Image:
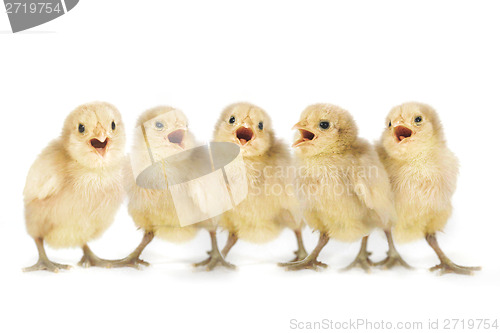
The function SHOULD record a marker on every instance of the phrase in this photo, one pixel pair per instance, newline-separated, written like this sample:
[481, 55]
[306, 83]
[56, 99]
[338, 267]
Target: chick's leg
[363, 258]
[133, 260]
[446, 265]
[311, 261]
[214, 256]
[393, 256]
[231, 240]
[44, 264]
[301, 252]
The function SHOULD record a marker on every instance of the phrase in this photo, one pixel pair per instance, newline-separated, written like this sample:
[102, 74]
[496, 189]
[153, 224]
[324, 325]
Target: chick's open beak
[244, 135]
[305, 136]
[402, 132]
[177, 137]
[100, 145]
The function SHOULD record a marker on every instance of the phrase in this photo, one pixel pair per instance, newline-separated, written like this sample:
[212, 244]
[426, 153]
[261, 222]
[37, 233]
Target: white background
[365, 56]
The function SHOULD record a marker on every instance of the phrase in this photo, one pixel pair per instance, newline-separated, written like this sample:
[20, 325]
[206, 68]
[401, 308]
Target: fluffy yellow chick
[423, 174]
[74, 187]
[271, 204]
[152, 209]
[342, 183]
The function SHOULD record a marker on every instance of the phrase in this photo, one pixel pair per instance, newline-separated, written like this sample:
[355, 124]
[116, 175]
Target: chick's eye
[232, 120]
[113, 126]
[390, 123]
[159, 125]
[324, 124]
[261, 125]
[418, 119]
[81, 128]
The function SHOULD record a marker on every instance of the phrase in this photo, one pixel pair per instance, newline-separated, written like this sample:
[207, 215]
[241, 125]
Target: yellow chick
[74, 187]
[271, 203]
[162, 132]
[342, 184]
[423, 174]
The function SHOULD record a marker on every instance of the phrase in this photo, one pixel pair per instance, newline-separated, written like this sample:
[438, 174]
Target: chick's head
[164, 131]
[411, 128]
[94, 135]
[324, 128]
[246, 125]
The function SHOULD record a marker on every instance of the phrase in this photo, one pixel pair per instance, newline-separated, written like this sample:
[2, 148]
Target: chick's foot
[89, 259]
[215, 258]
[446, 265]
[449, 267]
[363, 258]
[133, 262]
[392, 260]
[311, 261]
[393, 257]
[46, 265]
[308, 263]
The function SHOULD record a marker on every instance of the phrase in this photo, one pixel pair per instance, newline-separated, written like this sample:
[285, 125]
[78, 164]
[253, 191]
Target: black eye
[390, 123]
[232, 120]
[418, 119]
[113, 126]
[159, 125]
[81, 128]
[261, 125]
[324, 124]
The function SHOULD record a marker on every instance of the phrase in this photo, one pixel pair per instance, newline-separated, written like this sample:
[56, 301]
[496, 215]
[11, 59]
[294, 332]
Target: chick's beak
[100, 144]
[244, 135]
[177, 137]
[305, 135]
[402, 132]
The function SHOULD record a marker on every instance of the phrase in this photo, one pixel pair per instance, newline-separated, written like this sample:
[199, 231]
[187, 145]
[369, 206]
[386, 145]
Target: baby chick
[423, 174]
[342, 184]
[162, 132]
[74, 188]
[271, 203]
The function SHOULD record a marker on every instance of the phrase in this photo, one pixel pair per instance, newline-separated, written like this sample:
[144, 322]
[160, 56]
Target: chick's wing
[45, 177]
[373, 188]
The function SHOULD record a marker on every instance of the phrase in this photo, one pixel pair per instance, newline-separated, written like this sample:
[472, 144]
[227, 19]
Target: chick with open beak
[74, 188]
[162, 132]
[423, 174]
[271, 204]
[343, 186]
